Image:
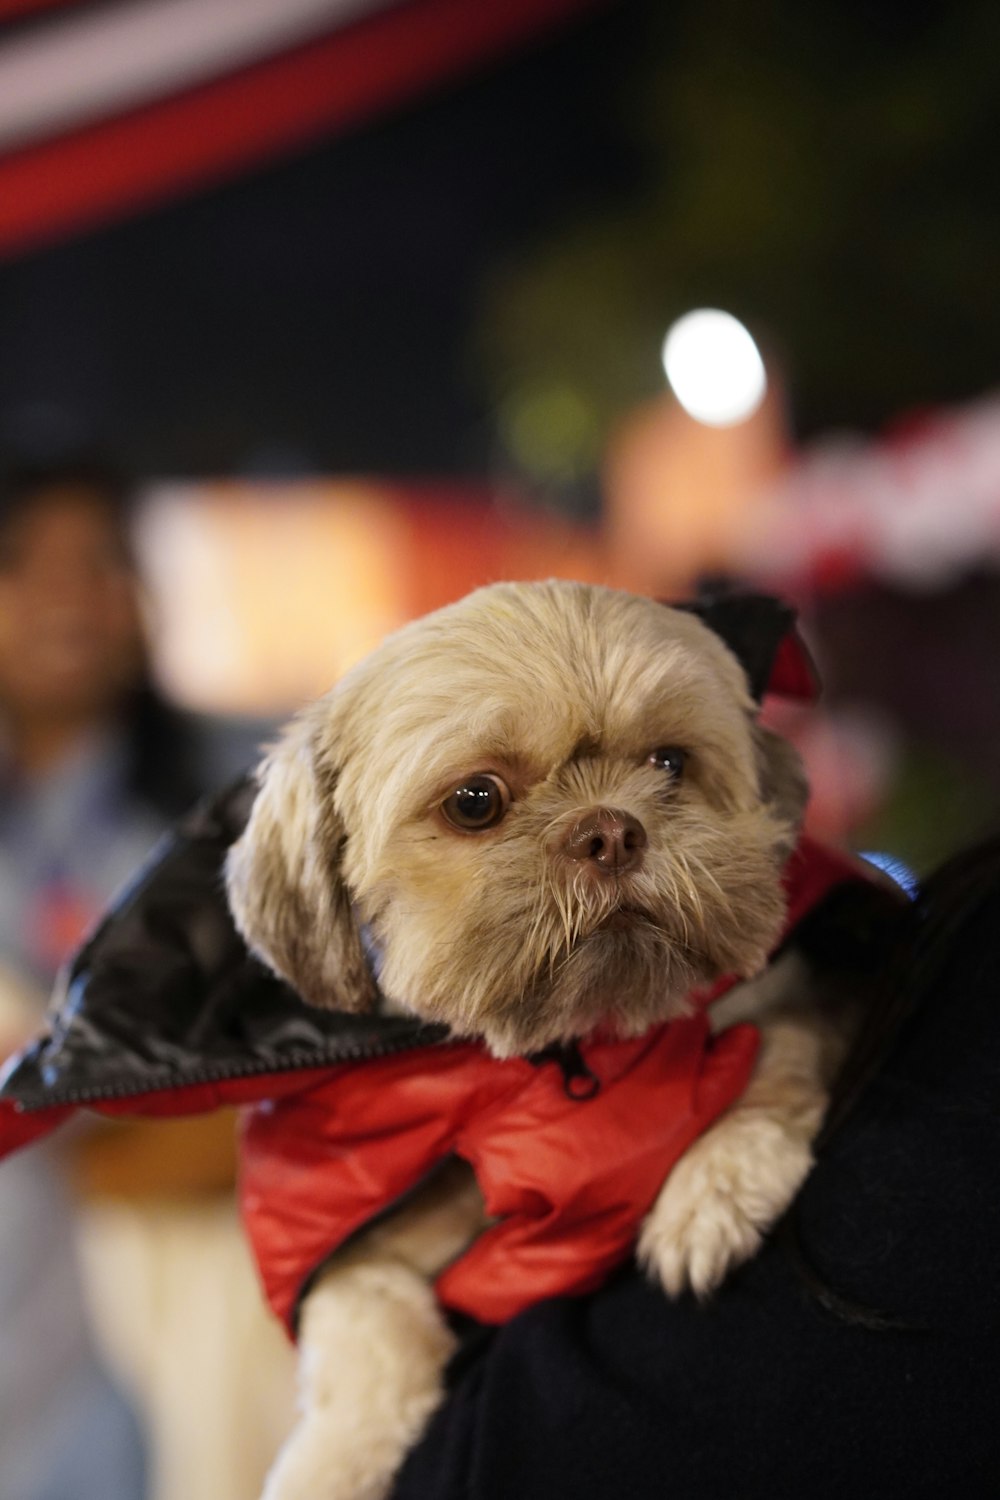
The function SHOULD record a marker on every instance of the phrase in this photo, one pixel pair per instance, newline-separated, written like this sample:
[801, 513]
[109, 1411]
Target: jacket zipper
[579, 1080]
[222, 1073]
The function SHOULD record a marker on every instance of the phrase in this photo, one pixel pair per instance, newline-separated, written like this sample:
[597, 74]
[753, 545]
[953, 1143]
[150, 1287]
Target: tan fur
[563, 691]
[373, 1352]
[737, 1179]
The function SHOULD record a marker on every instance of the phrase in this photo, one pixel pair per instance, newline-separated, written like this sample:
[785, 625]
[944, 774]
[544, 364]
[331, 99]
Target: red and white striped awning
[106, 108]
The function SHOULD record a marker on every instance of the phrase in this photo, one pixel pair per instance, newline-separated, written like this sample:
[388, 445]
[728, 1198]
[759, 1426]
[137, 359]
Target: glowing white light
[714, 367]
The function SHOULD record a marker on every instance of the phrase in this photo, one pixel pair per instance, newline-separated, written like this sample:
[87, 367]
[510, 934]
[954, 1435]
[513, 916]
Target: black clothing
[764, 1394]
[165, 995]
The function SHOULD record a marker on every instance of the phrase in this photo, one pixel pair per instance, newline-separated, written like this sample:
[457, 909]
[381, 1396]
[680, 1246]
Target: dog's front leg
[374, 1346]
[737, 1179]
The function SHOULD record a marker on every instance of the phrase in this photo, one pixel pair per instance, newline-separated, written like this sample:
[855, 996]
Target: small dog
[546, 809]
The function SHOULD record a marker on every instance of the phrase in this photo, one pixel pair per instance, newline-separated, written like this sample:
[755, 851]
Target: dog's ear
[760, 631]
[784, 789]
[284, 883]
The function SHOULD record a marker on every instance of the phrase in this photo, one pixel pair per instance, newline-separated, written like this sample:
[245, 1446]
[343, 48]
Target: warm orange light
[675, 488]
[264, 594]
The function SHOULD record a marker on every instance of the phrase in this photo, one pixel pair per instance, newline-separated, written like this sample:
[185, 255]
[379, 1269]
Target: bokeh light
[714, 367]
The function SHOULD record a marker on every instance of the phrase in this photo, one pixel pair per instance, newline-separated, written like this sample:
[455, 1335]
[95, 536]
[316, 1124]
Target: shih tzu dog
[545, 812]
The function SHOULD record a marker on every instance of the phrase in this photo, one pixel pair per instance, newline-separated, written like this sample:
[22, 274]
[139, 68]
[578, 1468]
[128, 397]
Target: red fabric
[206, 134]
[813, 870]
[20, 1127]
[326, 1149]
[16, 9]
[571, 1179]
[17, 1128]
[793, 674]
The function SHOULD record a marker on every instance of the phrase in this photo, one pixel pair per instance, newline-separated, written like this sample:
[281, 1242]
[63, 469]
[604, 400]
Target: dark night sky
[320, 307]
[319, 314]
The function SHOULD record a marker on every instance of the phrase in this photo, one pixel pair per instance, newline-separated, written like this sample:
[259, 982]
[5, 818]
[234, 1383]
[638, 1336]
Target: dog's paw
[315, 1464]
[721, 1199]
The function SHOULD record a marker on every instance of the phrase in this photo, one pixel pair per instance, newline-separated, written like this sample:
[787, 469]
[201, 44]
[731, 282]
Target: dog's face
[549, 804]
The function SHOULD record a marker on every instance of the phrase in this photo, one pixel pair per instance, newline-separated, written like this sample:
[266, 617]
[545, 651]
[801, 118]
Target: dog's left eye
[479, 802]
[668, 758]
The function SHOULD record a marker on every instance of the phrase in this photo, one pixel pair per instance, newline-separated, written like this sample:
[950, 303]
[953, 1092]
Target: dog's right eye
[478, 802]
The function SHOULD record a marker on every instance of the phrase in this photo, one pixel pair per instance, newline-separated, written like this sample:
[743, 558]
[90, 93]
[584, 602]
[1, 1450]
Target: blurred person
[94, 765]
[70, 829]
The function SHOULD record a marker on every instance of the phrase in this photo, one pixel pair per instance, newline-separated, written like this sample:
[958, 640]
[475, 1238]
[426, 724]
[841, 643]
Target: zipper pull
[579, 1082]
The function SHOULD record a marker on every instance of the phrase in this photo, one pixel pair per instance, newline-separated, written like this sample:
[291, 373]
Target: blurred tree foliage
[827, 171]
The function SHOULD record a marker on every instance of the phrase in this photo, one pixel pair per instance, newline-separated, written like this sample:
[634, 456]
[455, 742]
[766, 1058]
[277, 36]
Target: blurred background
[315, 315]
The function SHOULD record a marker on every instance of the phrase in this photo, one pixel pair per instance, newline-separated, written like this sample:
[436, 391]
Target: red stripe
[208, 133]
[19, 1128]
[13, 9]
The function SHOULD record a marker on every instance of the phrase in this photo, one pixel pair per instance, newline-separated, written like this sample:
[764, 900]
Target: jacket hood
[165, 994]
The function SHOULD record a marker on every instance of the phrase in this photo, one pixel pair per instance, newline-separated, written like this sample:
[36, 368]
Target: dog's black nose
[610, 839]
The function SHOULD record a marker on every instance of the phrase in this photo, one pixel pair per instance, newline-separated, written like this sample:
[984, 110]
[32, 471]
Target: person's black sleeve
[765, 1394]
